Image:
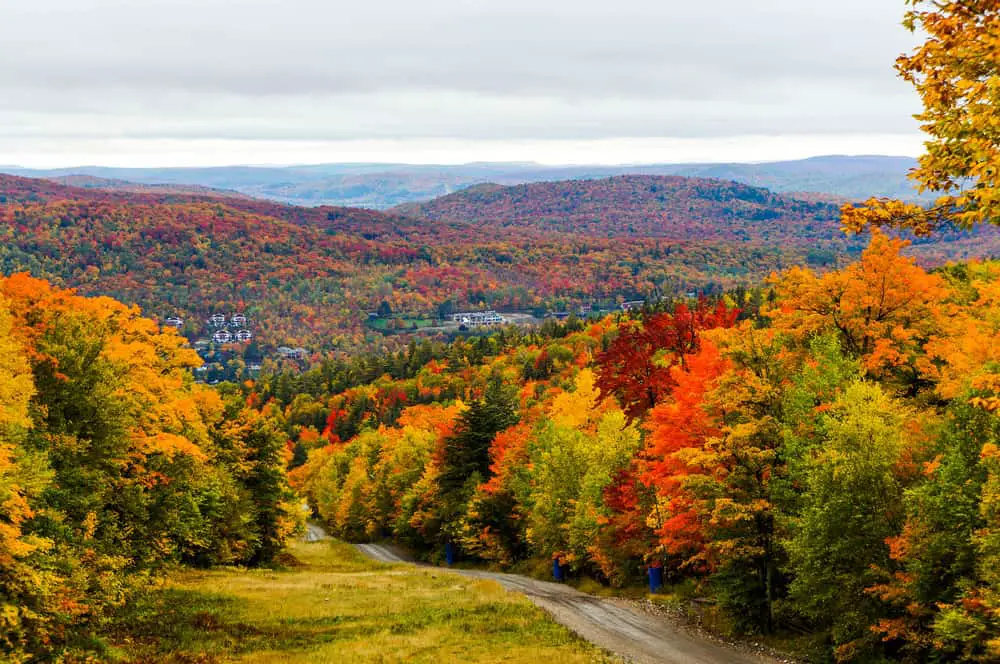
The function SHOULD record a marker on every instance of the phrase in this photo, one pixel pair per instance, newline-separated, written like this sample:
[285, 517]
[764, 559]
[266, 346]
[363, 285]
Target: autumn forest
[787, 405]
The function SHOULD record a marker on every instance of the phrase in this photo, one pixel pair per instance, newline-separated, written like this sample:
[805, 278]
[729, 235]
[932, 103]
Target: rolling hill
[680, 209]
[187, 255]
[672, 207]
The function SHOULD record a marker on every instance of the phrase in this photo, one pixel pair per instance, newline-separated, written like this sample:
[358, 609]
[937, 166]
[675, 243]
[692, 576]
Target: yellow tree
[956, 72]
[969, 356]
[23, 589]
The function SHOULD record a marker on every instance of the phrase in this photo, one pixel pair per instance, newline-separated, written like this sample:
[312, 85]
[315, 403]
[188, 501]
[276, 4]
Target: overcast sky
[196, 82]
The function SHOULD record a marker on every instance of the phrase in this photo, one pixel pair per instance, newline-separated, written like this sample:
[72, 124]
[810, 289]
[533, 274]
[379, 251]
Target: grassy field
[333, 605]
[382, 324]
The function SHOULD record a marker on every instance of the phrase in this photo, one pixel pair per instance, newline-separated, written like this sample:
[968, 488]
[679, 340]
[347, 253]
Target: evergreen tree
[466, 453]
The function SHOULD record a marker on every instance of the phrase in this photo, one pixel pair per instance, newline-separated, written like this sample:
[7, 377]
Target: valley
[315, 278]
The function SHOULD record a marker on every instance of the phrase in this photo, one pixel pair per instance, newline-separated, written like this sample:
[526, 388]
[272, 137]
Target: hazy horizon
[64, 166]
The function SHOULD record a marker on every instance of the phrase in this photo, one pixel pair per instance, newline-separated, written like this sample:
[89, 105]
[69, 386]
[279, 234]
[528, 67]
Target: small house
[292, 353]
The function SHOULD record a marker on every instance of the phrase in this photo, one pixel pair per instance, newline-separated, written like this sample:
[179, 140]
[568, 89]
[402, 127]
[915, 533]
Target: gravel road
[384, 553]
[617, 626]
[314, 533]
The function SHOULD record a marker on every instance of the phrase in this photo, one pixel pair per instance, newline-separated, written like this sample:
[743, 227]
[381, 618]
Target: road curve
[383, 553]
[314, 533]
[614, 625]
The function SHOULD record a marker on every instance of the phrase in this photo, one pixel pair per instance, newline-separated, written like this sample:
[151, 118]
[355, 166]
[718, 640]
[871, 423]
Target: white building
[222, 337]
[243, 335]
[238, 320]
[217, 320]
[292, 353]
[174, 321]
[478, 318]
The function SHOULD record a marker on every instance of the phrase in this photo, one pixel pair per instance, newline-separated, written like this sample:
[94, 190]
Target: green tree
[936, 550]
[261, 437]
[968, 629]
[853, 504]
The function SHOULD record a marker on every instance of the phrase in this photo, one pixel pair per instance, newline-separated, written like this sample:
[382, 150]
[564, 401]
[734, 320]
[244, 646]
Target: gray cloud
[315, 70]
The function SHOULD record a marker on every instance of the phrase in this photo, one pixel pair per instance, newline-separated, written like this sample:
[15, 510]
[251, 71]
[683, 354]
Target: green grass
[382, 324]
[336, 606]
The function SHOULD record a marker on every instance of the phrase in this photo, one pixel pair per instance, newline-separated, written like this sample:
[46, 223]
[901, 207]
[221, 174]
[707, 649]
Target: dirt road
[614, 625]
[383, 553]
[314, 533]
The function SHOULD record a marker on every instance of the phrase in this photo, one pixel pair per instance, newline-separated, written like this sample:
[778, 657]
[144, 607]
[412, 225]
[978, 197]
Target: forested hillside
[826, 466]
[639, 205]
[310, 276]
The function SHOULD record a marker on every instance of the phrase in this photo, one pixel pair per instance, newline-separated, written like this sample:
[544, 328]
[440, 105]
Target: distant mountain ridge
[381, 186]
[111, 184]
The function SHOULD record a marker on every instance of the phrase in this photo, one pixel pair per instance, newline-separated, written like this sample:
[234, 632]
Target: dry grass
[336, 606]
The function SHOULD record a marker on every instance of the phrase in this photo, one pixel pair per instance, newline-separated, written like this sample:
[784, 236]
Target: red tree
[636, 366]
[681, 422]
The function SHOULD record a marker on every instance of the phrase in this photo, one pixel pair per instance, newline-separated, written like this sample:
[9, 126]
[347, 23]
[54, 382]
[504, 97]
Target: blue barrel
[558, 571]
[449, 553]
[655, 579]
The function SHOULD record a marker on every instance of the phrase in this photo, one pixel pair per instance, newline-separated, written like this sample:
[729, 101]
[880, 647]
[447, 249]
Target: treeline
[373, 389]
[113, 465]
[828, 467]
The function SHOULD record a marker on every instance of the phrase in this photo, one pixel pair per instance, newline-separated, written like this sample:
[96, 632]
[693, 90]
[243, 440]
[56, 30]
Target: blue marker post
[449, 553]
[558, 570]
[655, 578]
